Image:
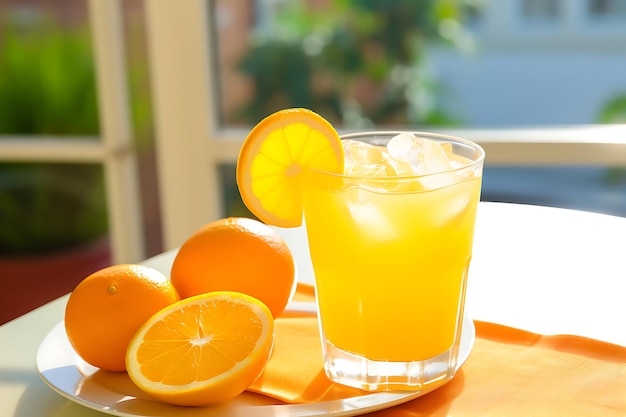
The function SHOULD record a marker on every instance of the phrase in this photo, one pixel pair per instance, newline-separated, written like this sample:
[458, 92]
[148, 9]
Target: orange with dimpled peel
[106, 308]
[236, 254]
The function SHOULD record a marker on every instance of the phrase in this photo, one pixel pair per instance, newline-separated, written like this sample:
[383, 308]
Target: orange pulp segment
[273, 157]
[203, 349]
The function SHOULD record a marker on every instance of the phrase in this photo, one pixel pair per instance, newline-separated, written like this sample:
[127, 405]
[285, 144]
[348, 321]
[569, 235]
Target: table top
[541, 269]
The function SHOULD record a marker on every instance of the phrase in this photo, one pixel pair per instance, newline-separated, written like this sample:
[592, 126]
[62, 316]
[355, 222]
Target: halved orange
[273, 157]
[203, 349]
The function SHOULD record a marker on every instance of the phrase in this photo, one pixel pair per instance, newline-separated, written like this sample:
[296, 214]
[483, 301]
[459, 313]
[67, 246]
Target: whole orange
[106, 309]
[236, 254]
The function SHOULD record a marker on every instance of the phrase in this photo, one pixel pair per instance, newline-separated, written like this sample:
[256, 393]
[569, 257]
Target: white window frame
[113, 149]
[191, 144]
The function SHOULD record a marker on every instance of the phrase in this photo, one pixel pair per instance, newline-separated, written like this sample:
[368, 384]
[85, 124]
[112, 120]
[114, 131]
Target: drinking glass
[391, 256]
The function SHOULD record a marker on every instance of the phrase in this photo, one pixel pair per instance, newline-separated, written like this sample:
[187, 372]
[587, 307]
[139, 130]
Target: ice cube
[400, 168]
[405, 155]
[366, 160]
[433, 158]
[362, 153]
[430, 159]
[370, 216]
[401, 147]
[456, 160]
[453, 205]
[425, 156]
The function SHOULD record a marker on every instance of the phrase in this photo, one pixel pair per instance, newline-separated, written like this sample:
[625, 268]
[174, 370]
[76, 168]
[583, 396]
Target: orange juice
[393, 265]
[391, 256]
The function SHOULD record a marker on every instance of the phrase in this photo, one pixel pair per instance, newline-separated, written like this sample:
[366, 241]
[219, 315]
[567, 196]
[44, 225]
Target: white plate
[113, 392]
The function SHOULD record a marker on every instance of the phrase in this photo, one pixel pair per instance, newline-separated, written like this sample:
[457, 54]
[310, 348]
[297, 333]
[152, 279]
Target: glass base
[356, 371]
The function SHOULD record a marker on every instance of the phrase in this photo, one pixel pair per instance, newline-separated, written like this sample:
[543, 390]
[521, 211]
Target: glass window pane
[426, 64]
[47, 79]
[591, 188]
[607, 8]
[540, 9]
[363, 63]
[50, 207]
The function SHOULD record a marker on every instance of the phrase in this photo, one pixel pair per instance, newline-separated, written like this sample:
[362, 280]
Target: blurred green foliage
[47, 83]
[357, 62]
[50, 207]
[614, 111]
[47, 87]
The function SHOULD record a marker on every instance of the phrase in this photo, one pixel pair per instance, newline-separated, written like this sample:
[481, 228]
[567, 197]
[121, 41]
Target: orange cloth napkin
[510, 372]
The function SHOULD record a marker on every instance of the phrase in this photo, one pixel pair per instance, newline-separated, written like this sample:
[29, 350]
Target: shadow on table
[434, 404]
[39, 400]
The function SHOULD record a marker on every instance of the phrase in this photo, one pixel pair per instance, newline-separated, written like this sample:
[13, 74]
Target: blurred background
[420, 64]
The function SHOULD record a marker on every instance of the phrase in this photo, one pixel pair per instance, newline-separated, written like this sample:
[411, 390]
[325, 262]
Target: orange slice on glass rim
[273, 157]
[203, 349]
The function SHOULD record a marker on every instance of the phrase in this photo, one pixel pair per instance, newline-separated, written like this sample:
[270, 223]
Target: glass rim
[390, 133]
